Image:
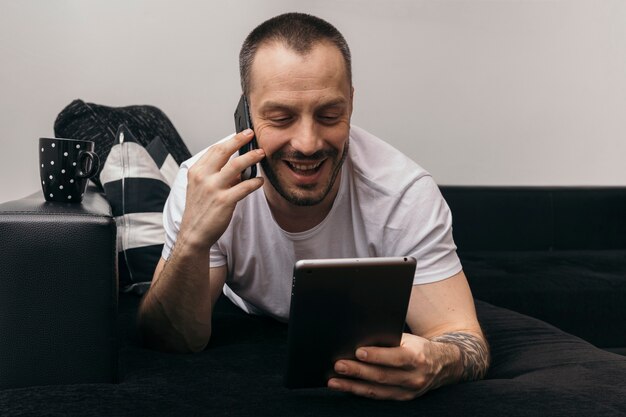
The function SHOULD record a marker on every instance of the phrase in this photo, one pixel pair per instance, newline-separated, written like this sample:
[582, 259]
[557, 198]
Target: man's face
[301, 107]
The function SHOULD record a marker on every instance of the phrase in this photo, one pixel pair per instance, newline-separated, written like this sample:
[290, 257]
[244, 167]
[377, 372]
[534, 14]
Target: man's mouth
[304, 168]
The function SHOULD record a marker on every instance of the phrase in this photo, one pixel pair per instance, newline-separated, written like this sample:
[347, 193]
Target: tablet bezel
[338, 305]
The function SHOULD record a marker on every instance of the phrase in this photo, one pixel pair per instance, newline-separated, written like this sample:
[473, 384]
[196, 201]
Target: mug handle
[95, 164]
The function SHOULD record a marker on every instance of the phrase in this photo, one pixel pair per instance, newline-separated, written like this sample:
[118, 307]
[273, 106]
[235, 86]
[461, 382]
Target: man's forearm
[471, 352]
[157, 329]
[176, 312]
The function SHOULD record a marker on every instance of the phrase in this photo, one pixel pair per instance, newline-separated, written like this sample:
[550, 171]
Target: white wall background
[488, 92]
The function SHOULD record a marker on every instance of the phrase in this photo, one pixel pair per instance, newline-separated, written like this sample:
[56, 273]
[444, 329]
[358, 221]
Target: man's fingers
[397, 357]
[241, 190]
[370, 390]
[218, 155]
[379, 374]
[234, 167]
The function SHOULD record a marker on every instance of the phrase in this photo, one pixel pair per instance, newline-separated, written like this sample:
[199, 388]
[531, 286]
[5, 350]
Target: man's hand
[401, 373]
[214, 187]
[176, 312]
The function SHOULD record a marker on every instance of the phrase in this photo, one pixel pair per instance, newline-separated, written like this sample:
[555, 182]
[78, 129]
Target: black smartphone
[243, 122]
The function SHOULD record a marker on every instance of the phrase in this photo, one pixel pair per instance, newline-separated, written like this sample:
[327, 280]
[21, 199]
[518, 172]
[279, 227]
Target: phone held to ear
[243, 122]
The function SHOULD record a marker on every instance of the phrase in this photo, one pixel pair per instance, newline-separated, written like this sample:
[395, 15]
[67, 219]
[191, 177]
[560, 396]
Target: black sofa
[554, 253]
[537, 369]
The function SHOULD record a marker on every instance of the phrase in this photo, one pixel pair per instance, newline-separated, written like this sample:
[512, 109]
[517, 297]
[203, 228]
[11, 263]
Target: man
[327, 189]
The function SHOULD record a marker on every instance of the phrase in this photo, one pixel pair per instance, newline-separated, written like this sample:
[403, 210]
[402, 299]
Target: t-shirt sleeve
[172, 217]
[173, 211]
[421, 226]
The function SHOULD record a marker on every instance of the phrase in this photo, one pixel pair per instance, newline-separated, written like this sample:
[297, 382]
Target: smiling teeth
[303, 167]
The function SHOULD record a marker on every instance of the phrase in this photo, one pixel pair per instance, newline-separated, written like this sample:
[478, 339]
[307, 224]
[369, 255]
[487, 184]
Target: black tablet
[338, 305]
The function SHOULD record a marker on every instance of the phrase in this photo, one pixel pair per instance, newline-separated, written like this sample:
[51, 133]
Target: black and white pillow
[99, 123]
[136, 183]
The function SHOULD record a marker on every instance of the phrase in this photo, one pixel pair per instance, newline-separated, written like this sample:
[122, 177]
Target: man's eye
[329, 117]
[279, 120]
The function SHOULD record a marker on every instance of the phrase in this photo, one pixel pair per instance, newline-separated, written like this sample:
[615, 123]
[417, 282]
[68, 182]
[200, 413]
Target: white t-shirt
[386, 205]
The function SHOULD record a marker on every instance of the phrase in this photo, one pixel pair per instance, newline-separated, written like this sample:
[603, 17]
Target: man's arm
[175, 313]
[447, 346]
[474, 353]
[444, 312]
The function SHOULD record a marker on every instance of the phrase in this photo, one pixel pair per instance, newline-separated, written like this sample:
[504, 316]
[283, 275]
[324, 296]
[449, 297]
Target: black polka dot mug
[65, 166]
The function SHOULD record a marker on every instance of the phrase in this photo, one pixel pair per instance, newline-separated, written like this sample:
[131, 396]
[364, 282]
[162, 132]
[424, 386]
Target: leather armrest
[94, 204]
[58, 291]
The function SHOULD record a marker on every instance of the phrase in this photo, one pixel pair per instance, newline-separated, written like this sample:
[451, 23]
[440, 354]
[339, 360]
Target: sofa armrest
[58, 292]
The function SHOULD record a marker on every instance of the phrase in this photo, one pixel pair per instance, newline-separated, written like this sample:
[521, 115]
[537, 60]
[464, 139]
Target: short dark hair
[298, 32]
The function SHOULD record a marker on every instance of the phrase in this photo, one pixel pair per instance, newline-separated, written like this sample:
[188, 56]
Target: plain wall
[477, 92]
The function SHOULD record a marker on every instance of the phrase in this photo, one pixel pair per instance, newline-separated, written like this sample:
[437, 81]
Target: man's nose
[307, 138]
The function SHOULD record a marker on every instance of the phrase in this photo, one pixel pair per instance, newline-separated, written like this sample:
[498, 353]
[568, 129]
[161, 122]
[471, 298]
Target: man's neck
[295, 219]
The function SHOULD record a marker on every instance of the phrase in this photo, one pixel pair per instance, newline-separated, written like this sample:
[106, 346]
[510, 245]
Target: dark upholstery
[537, 218]
[537, 371]
[52, 327]
[581, 292]
[58, 292]
[555, 253]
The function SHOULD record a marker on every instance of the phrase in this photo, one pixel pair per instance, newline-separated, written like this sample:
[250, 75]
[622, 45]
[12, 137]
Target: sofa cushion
[90, 121]
[537, 370]
[590, 218]
[581, 292]
[507, 218]
[137, 183]
[500, 218]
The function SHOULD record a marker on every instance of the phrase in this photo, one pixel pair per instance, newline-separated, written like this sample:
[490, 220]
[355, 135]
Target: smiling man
[327, 189]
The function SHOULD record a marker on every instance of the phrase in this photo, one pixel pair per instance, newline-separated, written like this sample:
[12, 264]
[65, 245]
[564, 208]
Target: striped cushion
[136, 183]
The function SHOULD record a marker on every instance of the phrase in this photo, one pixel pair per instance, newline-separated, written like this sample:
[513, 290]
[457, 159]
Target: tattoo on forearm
[474, 353]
